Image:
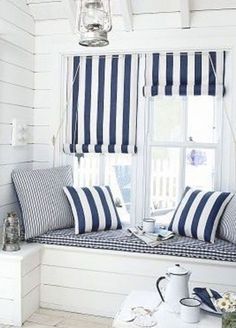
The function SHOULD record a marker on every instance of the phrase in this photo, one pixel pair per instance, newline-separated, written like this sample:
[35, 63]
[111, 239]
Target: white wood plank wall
[17, 67]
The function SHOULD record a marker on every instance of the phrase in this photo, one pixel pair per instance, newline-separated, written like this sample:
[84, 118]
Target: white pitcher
[176, 288]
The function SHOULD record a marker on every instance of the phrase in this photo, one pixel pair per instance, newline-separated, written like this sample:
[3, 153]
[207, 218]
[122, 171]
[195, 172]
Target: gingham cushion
[120, 240]
[198, 213]
[43, 203]
[227, 226]
[93, 209]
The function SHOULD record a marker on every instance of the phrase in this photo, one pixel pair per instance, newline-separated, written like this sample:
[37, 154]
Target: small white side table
[164, 318]
[19, 284]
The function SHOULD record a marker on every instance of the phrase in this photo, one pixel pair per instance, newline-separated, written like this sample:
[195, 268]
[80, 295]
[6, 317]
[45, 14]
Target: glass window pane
[201, 119]
[168, 119]
[88, 170]
[165, 168]
[118, 176]
[200, 168]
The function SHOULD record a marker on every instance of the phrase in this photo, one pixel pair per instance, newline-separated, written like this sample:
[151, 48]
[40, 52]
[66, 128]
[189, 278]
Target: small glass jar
[229, 320]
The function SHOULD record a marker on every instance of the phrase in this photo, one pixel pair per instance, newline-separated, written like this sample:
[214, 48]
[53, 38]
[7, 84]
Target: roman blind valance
[185, 73]
[103, 113]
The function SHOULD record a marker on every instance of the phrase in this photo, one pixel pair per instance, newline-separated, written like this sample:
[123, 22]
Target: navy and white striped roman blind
[185, 74]
[104, 104]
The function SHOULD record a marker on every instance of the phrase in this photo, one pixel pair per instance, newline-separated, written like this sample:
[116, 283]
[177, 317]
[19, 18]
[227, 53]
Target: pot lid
[177, 269]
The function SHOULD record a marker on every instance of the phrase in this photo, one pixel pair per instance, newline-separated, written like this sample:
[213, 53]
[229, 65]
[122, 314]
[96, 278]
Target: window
[114, 170]
[183, 148]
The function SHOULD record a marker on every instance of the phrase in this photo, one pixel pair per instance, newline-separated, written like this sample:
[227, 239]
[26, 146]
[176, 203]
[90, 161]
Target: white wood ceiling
[133, 9]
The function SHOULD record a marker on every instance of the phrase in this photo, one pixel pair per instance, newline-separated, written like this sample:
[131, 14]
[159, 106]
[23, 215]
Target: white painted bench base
[91, 281]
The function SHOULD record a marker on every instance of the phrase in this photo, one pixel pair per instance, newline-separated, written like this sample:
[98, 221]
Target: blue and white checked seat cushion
[198, 214]
[42, 200]
[93, 209]
[120, 240]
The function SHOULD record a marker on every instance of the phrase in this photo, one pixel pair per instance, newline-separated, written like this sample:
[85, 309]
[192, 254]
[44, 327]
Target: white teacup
[149, 225]
[190, 310]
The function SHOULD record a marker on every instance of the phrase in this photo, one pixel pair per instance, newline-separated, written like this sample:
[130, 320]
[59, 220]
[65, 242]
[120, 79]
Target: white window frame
[182, 145]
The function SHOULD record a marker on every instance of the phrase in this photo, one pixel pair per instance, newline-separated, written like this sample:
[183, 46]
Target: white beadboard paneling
[21, 4]
[42, 98]
[16, 36]
[36, 135]
[107, 282]
[122, 263]
[16, 95]
[14, 55]
[43, 63]
[212, 5]
[41, 116]
[17, 17]
[16, 75]
[82, 301]
[48, 10]
[7, 288]
[43, 81]
[8, 195]
[42, 153]
[40, 135]
[10, 112]
[49, 27]
[30, 303]
[14, 155]
[6, 170]
[215, 18]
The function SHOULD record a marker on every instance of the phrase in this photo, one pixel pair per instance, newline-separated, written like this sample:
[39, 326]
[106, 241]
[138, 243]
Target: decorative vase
[229, 320]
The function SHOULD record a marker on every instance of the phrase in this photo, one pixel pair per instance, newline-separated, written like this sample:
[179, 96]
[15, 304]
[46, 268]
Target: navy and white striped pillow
[93, 209]
[198, 214]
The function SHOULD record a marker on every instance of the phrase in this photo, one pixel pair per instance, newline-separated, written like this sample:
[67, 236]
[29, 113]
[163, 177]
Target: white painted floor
[45, 318]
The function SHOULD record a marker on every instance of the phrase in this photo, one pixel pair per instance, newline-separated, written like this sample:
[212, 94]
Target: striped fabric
[120, 240]
[198, 214]
[42, 200]
[104, 105]
[227, 226]
[185, 74]
[93, 209]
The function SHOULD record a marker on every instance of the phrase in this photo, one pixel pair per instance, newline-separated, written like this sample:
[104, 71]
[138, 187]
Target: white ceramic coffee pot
[176, 288]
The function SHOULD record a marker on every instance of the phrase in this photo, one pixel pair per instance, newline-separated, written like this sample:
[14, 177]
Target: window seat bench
[93, 273]
[120, 240]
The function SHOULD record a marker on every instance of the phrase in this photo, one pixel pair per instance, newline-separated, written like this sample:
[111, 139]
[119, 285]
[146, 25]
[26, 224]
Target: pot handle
[158, 287]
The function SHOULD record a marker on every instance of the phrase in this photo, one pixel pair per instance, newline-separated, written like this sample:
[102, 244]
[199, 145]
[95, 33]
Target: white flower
[223, 304]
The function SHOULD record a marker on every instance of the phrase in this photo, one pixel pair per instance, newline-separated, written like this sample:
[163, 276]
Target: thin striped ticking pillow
[198, 214]
[93, 209]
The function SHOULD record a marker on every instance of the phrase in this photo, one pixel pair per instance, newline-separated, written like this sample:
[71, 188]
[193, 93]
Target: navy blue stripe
[119, 226]
[213, 214]
[212, 78]
[185, 212]
[197, 73]
[169, 74]
[101, 89]
[172, 220]
[126, 100]
[93, 209]
[113, 104]
[74, 125]
[155, 70]
[183, 74]
[105, 208]
[79, 209]
[198, 213]
[87, 101]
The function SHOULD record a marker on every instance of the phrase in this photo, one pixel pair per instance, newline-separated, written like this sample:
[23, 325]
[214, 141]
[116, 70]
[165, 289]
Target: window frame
[183, 146]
